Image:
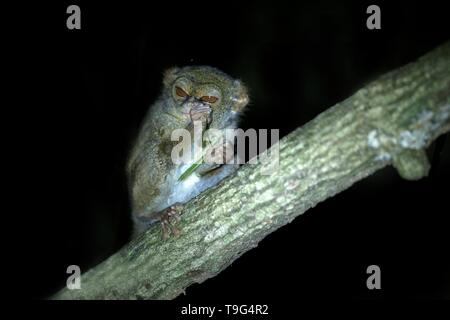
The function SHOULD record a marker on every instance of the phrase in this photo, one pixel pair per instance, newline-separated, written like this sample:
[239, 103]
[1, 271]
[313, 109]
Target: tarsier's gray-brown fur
[190, 93]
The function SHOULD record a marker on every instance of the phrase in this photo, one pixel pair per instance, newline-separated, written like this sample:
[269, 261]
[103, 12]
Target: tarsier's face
[205, 94]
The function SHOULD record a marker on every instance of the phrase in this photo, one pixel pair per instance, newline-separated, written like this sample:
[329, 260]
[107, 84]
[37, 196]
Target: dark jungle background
[92, 87]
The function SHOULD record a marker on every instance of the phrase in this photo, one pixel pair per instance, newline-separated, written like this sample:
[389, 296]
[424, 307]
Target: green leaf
[189, 171]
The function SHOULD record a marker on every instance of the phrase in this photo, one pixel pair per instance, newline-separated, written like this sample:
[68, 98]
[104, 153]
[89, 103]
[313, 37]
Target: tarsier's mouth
[197, 111]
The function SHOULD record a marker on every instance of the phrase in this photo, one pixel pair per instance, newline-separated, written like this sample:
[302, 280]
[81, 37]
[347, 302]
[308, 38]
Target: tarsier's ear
[170, 75]
[239, 96]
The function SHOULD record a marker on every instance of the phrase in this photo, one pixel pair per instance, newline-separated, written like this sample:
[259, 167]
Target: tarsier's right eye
[180, 92]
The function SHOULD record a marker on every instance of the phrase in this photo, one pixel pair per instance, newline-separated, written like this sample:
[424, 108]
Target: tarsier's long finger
[165, 230]
[200, 113]
[204, 119]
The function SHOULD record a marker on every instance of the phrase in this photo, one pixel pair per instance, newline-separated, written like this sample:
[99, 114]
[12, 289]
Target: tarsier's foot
[166, 216]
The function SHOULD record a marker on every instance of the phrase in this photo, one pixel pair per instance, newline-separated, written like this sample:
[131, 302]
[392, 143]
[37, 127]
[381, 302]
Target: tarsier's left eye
[209, 99]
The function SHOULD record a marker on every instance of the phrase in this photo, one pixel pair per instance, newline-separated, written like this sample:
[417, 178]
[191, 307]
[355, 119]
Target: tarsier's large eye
[180, 92]
[209, 99]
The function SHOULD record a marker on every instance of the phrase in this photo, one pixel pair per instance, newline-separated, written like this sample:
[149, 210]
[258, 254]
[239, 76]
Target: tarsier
[193, 93]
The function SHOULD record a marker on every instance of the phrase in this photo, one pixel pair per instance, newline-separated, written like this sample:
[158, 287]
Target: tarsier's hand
[201, 113]
[219, 154]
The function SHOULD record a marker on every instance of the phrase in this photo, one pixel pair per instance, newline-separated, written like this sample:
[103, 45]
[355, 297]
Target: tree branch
[390, 121]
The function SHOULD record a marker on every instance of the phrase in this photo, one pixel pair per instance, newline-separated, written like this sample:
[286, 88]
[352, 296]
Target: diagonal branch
[390, 121]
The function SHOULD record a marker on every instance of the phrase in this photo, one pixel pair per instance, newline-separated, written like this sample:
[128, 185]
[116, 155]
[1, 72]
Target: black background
[91, 87]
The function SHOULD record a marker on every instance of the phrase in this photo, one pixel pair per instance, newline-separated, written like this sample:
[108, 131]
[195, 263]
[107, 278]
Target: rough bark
[390, 121]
